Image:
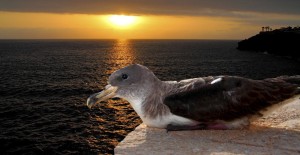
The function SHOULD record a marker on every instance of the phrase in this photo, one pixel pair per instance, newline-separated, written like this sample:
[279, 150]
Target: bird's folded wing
[228, 98]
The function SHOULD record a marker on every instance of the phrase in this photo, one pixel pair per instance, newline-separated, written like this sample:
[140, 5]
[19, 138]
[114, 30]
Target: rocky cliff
[283, 42]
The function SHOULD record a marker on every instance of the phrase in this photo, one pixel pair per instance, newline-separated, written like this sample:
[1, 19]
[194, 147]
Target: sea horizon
[116, 39]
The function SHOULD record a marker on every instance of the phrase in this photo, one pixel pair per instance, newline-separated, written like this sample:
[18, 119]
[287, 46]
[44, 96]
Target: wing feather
[229, 98]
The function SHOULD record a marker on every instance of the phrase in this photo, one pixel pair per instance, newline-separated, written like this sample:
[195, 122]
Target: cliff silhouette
[283, 42]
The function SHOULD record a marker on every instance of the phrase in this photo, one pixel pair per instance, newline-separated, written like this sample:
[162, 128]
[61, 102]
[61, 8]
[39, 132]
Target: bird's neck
[153, 104]
[148, 103]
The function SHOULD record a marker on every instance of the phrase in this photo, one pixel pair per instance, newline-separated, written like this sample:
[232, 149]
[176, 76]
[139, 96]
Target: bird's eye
[124, 76]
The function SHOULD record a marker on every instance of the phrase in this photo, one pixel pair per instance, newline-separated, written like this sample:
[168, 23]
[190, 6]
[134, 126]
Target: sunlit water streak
[44, 85]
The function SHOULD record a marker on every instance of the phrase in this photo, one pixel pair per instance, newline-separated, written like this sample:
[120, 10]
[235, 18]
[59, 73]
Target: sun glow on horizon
[122, 21]
[110, 26]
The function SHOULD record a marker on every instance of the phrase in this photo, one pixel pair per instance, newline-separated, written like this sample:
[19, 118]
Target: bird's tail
[293, 80]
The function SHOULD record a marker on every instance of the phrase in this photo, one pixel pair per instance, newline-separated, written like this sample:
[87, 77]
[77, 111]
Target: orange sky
[209, 25]
[45, 25]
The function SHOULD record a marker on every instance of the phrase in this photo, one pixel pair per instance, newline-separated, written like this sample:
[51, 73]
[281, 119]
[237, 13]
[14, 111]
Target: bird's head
[125, 83]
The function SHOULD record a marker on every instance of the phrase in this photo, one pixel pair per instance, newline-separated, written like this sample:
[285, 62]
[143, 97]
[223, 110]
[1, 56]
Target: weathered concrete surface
[278, 133]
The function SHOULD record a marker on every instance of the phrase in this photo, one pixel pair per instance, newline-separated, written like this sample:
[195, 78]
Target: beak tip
[109, 92]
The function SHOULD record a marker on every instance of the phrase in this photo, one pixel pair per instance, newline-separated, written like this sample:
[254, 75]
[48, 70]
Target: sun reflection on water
[121, 55]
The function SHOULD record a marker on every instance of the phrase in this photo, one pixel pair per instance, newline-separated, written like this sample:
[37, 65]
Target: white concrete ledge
[279, 133]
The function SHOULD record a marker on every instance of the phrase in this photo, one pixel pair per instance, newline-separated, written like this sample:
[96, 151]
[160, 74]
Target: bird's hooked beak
[107, 93]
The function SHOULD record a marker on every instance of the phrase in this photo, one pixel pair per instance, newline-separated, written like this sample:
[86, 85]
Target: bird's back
[230, 98]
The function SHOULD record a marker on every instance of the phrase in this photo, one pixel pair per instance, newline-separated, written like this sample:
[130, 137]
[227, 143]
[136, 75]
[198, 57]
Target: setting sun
[122, 20]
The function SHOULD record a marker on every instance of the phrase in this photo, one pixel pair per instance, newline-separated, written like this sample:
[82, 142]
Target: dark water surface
[44, 85]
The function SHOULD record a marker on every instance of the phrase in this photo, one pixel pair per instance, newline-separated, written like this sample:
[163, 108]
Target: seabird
[213, 102]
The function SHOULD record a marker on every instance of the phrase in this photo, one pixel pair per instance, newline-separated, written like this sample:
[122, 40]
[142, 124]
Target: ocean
[44, 85]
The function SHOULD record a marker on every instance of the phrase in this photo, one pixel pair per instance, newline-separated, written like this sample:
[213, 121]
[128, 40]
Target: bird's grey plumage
[229, 99]
[205, 102]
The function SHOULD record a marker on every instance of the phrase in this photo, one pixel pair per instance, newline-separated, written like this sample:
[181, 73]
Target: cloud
[163, 7]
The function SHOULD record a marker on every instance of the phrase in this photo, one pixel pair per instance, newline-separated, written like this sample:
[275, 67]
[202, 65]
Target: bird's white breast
[160, 121]
[163, 121]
